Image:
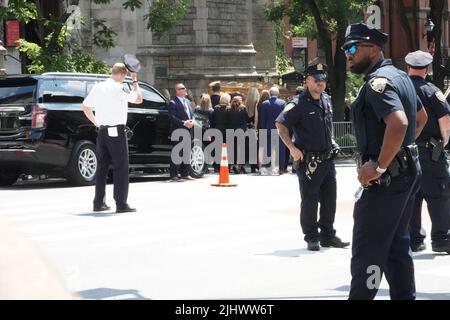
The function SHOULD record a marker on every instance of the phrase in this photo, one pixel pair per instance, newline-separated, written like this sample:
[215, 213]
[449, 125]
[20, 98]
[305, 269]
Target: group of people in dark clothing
[254, 110]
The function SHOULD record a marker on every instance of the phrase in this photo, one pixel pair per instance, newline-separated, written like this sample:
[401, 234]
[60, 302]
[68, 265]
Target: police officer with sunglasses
[384, 118]
[310, 117]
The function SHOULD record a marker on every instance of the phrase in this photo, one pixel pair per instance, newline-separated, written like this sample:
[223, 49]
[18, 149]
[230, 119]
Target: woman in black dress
[238, 119]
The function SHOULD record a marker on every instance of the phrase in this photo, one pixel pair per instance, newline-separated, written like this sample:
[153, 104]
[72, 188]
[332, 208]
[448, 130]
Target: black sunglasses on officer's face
[319, 80]
[316, 81]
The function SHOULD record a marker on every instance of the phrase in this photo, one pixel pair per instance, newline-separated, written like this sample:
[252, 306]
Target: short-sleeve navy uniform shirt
[387, 89]
[435, 104]
[310, 120]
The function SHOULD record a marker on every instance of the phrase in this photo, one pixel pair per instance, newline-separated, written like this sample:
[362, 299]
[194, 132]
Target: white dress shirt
[186, 103]
[109, 100]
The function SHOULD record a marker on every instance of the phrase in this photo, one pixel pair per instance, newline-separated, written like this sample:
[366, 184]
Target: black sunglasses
[320, 80]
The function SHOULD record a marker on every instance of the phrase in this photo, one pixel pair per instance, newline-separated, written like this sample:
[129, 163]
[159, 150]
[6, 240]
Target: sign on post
[299, 42]
[12, 33]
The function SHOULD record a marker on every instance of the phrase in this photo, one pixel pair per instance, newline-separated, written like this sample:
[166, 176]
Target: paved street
[212, 243]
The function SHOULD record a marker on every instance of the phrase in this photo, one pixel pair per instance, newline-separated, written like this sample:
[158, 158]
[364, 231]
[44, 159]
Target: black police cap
[317, 70]
[418, 59]
[359, 32]
[131, 62]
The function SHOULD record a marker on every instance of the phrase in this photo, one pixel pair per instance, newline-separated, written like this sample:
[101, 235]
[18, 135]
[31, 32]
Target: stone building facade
[227, 40]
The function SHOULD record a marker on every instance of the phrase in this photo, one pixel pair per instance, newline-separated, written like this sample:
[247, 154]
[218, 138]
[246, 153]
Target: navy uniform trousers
[112, 150]
[434, 188]
[320, 189]
[381, 240]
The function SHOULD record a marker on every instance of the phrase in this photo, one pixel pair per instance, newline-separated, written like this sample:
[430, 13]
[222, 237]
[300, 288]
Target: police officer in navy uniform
[309, 116]
[435, 181]
[384, 118]
[110, 100]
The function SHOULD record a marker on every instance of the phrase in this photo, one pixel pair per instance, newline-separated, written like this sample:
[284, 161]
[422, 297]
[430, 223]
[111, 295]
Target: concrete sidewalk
[24, 274]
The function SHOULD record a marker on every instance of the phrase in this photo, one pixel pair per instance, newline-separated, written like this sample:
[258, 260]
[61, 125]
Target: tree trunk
[405, 25]
[336, 64]
[338, 88]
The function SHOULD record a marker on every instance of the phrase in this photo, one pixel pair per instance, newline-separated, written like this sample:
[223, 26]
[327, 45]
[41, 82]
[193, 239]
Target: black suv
[44, 131]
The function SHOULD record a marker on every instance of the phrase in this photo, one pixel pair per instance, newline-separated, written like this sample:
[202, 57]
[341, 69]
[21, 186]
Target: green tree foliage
[283, 62]
[327, 21]
[164, 14]
[354, 83]
[55, 50]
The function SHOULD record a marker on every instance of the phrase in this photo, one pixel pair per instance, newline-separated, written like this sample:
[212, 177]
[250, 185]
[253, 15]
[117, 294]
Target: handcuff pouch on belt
[313, 159]
[128, 133]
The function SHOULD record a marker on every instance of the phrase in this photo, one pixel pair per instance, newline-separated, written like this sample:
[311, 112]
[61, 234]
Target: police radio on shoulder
[377, 168]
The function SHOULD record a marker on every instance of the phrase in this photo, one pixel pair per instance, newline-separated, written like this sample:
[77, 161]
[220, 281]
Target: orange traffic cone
[224, 177]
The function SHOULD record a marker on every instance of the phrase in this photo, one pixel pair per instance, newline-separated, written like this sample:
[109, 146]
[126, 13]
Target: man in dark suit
[270, 110]
[181, 117]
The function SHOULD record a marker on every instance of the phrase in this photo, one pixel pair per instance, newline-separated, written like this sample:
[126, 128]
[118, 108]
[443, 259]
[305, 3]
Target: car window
[151, 99]
[17, 91]
[62, 90]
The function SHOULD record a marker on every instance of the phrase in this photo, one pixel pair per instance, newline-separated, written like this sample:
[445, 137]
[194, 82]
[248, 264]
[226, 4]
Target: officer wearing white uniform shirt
[110, 101]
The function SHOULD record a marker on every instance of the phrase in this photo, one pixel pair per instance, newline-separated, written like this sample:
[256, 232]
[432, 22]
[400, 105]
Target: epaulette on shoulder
[289, 106]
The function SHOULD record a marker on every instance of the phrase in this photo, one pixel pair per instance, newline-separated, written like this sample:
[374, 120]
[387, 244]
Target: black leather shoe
[334, 242]
[419, 246]
[103, 207]
[127, 208]
[440, 247]
[313, 245]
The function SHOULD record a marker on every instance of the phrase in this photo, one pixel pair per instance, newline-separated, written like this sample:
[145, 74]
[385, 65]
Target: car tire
[82, 166]
[8, 176]
[197, 167]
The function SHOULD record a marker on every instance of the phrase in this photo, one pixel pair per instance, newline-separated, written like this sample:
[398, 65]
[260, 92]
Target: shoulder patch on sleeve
[440, 96]
[378, 84]
[289, 106]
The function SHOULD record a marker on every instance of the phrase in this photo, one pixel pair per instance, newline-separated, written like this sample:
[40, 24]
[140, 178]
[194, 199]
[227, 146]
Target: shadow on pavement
[426, 256]
[98, 214]
[111, 294]
[419, 295]
[294, 253]
[59, 183]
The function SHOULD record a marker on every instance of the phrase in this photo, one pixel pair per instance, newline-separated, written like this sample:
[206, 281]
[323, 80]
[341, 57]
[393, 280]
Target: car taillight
[39, 117]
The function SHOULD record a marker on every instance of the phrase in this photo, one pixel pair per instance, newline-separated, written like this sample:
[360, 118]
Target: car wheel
[8, 176]
[197, 166]
[83, 166]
